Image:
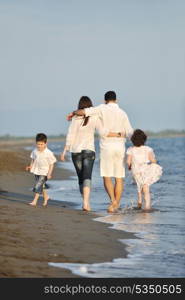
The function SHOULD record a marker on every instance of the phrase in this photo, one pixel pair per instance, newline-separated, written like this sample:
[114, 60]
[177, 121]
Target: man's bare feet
[112, 208]
[147, 210]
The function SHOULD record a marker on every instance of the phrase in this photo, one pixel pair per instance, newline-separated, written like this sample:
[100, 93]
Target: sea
[159, 249]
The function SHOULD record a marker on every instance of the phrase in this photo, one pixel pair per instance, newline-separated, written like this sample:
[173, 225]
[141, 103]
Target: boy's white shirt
[42, 160]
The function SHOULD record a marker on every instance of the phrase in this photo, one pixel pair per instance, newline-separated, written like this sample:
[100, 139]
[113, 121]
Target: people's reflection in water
[137, 222]
[139, 217]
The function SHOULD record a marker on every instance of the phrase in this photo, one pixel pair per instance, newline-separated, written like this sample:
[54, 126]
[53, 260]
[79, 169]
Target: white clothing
[42, 161]
[140, 156]
[81, 137]
[143, 172]
[112, 149]
[114, 119]
[112, 162]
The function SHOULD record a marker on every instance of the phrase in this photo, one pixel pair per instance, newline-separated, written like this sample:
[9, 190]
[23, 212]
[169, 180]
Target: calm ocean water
[160, 249]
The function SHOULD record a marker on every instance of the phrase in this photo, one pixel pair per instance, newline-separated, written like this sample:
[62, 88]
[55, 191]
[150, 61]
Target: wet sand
[31, 237]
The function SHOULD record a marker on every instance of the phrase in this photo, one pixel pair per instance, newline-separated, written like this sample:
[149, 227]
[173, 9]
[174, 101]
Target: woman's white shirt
[81, 137]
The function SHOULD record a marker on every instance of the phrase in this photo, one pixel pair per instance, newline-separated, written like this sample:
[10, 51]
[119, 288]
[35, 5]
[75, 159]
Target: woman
[80, 142]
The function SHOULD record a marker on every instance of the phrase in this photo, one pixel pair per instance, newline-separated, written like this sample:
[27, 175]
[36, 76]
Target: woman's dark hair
[138, 138]
[85, 102]
[41, 137]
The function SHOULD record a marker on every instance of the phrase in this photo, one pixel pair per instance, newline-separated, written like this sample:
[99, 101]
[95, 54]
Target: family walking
[113, 127]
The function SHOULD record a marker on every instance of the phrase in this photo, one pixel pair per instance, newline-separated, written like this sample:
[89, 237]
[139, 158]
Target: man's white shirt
[113, 119]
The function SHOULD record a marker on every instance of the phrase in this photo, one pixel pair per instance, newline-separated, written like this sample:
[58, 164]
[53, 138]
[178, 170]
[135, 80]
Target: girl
[141, 160]
[80, 142]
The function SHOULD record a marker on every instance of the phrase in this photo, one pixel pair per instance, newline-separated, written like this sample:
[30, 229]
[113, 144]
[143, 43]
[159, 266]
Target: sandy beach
[31, 237]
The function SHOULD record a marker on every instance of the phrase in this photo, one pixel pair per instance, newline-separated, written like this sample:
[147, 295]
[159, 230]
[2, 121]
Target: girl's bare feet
[139, 205]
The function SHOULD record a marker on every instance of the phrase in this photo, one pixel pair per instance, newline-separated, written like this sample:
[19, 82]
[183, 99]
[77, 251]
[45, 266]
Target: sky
[52, 52]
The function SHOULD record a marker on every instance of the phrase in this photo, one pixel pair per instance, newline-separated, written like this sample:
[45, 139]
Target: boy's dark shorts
[39, 184]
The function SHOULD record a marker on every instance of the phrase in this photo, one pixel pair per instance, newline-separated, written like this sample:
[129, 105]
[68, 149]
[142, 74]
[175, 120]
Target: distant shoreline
[9, 139]
[166, 136]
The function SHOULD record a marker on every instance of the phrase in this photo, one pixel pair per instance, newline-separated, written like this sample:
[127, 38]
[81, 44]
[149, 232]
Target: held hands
[28, 168]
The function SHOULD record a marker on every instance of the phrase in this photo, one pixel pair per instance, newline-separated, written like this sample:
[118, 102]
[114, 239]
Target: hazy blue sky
[54, 51]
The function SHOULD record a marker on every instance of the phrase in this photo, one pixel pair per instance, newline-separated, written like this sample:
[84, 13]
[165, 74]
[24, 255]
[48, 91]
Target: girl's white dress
[143, 171]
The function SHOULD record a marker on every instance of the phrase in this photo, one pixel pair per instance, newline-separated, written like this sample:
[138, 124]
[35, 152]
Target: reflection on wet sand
[137, 217]
[136, 221]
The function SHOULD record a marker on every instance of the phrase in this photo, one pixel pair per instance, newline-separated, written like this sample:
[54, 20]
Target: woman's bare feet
[86, 205]
[86, 208]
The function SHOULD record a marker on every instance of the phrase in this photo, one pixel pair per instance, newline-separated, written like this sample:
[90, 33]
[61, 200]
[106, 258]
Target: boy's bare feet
[45, 203]
[32, 204]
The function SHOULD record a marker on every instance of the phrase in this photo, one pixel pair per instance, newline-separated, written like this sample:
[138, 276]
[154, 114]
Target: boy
[41, 166]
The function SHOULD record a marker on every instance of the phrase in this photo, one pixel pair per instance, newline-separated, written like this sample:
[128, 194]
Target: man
[112, 149]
